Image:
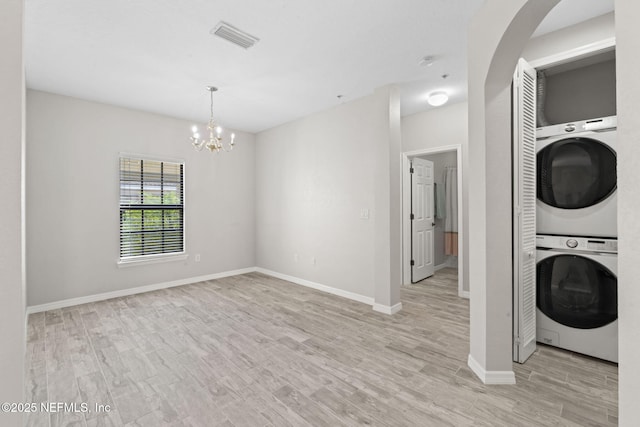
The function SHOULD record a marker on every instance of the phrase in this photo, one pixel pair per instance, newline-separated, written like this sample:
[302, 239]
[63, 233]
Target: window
[151, 208]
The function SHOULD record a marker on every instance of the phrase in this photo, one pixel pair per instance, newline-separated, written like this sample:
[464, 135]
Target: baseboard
[131, 291]
[148, 288]
[317, 286]
[452, 261]
[491, 377]
[387, 309]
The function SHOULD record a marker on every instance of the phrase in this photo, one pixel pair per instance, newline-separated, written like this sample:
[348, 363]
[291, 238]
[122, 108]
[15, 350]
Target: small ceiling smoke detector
[427, 61]
[437, 98]
[234, 35]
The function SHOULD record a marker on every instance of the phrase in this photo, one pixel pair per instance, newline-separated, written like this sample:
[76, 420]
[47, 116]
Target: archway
[497, 35]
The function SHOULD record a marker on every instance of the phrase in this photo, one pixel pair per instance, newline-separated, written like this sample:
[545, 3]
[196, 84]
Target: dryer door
[575, 173]
[577, 291]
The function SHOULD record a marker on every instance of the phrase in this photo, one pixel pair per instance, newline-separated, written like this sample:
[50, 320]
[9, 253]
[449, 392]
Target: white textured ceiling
[158, 55]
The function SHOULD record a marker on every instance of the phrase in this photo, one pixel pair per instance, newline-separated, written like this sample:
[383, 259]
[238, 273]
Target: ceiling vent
[234, 35]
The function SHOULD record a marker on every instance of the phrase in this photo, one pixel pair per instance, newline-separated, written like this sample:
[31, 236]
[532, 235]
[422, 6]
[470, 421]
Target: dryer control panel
[595, 125]
[577, 243]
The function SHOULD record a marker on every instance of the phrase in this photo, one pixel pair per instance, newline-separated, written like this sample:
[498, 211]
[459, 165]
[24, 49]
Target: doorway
[444, 156]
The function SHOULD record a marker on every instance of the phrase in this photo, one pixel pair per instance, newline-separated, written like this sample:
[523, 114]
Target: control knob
[572, 243]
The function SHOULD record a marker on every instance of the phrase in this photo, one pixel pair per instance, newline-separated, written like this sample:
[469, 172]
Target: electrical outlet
[197, 258]
[364, 213]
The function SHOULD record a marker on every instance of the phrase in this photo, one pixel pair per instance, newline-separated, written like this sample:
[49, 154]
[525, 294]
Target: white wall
[585, 33]
[628, 64]
[388, 200]
[447, 125]
[72, 198]
[314, 175]
[12, 302]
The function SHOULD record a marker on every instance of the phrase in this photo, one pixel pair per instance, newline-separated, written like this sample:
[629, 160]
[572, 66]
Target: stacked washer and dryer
[577, 289]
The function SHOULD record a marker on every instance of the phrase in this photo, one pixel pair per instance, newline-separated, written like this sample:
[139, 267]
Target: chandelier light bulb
[194, 129]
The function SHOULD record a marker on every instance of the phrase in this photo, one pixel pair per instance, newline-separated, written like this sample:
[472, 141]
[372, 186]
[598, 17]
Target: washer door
[575, 173]
[576, 291]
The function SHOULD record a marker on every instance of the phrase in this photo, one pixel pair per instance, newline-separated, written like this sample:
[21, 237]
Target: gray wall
[583, 93]
[576, 36]
[12, 303]
[435, 128]
[314, 176]
[72, 198]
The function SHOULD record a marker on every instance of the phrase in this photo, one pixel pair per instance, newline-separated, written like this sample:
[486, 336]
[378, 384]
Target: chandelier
[214, 142]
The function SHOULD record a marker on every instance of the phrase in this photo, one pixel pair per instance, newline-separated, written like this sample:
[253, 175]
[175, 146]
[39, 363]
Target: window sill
[134, 262]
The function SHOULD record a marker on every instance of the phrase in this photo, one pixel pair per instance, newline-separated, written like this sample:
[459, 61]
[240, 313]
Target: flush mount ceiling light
[214, 141]
[437, 98]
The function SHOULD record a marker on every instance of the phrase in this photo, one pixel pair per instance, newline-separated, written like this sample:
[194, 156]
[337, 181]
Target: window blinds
[151, 207]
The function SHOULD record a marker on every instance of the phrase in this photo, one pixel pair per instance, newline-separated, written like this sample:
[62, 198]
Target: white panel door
[422, 222]
[524, 212]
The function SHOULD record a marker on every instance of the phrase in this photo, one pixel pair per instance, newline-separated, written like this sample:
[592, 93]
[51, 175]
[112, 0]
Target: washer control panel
[578, 243]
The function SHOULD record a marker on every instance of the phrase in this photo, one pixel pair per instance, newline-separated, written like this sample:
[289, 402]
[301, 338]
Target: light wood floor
[253, 350]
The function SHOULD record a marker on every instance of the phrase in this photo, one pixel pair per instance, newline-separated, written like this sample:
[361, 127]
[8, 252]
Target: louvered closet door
[524, 215]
